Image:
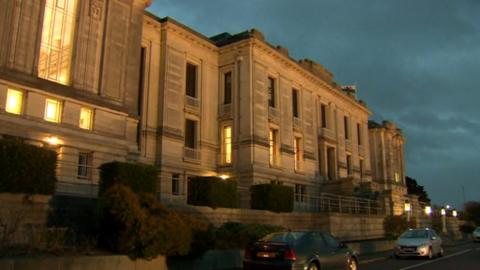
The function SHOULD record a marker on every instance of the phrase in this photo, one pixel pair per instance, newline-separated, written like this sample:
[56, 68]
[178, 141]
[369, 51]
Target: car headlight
[423, 248]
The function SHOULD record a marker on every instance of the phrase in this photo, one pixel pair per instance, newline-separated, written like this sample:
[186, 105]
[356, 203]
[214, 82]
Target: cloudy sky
[415, 62]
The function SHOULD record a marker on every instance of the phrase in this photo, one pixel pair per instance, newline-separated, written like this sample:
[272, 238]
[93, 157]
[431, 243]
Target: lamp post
[444, 220]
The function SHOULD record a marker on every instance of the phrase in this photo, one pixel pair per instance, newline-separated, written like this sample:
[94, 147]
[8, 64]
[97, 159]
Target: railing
[192, 102]
[297, 123]
[191, 154]
[332, 203]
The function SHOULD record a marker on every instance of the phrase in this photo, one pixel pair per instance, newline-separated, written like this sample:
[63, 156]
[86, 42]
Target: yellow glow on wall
[53, 110]
[14, 101]
[86, 118]
[227, 144]
[57, 37]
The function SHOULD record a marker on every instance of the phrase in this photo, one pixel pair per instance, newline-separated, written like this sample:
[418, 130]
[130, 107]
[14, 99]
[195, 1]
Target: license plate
[266, 254]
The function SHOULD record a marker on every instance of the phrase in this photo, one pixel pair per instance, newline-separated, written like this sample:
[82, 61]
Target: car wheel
[440, 254]
[313, 266]
[430, 254]
[352, 264]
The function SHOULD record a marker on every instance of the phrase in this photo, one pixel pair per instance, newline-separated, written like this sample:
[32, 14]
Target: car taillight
[247, 254]
[290, 255]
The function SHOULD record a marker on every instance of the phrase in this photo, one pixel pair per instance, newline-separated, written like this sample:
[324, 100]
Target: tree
[414, 188]
[471, 212]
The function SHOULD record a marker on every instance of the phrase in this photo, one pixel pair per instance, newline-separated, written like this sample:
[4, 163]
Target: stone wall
[343, 226]
[21, 215]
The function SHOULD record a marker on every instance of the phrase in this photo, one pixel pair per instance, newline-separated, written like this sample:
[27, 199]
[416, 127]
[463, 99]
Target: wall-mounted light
[408, 207]
[454, 213]
[53, 140]
[428, 210]
[224, 176]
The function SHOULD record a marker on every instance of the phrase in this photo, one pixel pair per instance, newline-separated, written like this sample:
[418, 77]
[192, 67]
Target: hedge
[273, 197]
[394, 226]
[141, 178]
[213, 192]
[234, 235]
[26, 168]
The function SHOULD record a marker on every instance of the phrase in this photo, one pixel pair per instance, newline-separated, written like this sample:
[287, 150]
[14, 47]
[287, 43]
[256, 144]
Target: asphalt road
[462, 257]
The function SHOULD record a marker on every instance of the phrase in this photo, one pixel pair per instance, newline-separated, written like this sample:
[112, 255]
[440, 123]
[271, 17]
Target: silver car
[419, 243]
[476, 234]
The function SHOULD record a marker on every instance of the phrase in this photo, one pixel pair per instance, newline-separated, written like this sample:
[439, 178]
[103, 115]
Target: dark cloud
[416, 63]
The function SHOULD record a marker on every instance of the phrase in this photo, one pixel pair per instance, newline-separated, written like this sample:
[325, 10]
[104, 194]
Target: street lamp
[428, 210]
[444, 220]
[454, 213]
[408, 209]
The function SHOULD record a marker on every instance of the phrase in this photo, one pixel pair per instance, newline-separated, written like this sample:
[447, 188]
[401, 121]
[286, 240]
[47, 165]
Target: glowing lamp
[428, 210]
[52, 140]
[224, 176]
[408, 207]
[443, 212]
[454, 213]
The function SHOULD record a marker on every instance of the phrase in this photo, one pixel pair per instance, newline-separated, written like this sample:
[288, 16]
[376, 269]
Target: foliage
[213, 192]
[233, 235]
[26, 168]
[273, 197]
[141, 178]
[471, 212]
[394, 226]
[414, 188]
[467, 228]
[140, 227]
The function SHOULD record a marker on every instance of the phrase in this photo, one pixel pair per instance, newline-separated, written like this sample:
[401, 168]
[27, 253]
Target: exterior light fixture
[454, 213]
[428, 210]
[443, 212]
[52, 140]
[408, 207]
[447, 206]
[224, 176]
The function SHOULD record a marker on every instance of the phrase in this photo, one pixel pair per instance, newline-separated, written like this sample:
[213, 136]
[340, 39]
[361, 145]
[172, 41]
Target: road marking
[437, 260]
[374, 260]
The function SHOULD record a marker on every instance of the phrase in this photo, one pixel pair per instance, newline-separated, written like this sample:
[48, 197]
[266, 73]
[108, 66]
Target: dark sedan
[310, 250]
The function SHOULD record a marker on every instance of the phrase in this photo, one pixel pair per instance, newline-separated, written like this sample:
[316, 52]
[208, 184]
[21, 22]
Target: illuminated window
[14, 101]
[227, 144]
[397, 177]
[86, 118]
[272, 141]
[57, 40]
[53, 110]
[298, 153]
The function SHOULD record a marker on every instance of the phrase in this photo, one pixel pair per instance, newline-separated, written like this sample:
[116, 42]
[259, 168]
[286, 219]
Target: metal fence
[333, 203]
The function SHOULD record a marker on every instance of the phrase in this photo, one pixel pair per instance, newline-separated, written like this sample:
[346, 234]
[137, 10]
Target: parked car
[419, 243]
[476, 234]
[312, 250]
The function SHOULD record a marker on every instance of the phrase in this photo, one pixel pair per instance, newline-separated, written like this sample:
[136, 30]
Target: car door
[436, 242]
[336, 252]
[321, 251]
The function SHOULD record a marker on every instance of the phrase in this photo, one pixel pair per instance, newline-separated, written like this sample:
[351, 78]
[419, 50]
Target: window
[191, 80]
[359, 134]
[84, 165]
[14, 101]
[53, 110]
[300, 193]
[272, 141]
[57, 40]
[346, 126]
[362, 169]
[323, 109]
[227, 88]
[397, 177]
[190, 134]
[298, 153]
[271, 92]
[175, 183]
[295, 103]
[349, 165]
[86, 116]
[331, 163]
[227, 144]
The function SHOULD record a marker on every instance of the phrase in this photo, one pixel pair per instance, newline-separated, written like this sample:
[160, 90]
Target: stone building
[104, 80]
[388, 163]
[69, 80]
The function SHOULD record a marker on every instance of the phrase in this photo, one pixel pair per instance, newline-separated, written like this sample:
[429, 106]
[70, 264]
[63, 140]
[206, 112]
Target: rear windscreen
[287, 237]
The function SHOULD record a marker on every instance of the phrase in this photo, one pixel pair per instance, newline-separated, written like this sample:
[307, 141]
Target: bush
[233, 235]
[213, 192]
[26, 168]
[273, 197]
[140, 227]
[467, 228]
[140, 178]
[394, 226]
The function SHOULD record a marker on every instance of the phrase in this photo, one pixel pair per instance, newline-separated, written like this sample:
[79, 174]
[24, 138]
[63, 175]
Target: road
[462, 257]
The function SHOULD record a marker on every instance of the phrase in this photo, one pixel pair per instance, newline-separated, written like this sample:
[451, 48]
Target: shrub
[273, 197]
[140, 178]
[26, 168]
[233, 235]
[213, 192]
[140, 227]
[467, 228]
[394, 226]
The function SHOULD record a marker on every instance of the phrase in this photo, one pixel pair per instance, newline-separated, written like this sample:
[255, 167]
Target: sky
[415, 62]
